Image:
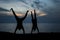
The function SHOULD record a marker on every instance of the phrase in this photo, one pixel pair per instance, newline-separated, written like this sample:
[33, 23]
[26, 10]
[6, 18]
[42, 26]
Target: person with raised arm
[19, 21]
[34, 22]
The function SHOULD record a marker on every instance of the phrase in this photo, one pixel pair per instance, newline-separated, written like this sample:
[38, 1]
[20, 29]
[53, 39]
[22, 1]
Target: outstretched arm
[14, 13]
[25, 15]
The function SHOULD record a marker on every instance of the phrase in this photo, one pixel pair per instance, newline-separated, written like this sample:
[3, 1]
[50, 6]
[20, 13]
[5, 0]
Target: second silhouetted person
[34, 21]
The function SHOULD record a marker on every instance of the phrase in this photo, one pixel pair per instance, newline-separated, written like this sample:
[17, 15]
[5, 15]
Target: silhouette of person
[34, 22]
[19, 21]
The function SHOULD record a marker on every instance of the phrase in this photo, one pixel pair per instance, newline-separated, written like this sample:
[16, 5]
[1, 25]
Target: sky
[28, 4]
[23, 5]
[49, 8]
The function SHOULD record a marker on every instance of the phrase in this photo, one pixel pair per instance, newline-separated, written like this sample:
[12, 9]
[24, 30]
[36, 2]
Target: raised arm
[25, 15]
[14, 13]
[31, 15]
[34, 14]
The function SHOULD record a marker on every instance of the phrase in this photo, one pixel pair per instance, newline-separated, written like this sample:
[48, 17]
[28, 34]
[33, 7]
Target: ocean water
[43, 27]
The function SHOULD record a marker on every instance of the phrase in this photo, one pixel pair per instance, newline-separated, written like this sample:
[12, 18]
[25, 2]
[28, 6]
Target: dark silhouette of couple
[20, 21]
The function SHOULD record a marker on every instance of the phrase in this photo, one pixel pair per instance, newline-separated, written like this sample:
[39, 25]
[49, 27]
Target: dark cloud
[56, 1]
[4, 0]
[24, 1]
[7, 1]
[3, 9]
[38, 4]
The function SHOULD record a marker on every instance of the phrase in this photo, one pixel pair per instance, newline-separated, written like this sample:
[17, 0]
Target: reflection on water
[43, 27]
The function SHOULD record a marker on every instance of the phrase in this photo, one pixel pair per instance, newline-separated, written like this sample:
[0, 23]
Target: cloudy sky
[51, 8]
[23, 5]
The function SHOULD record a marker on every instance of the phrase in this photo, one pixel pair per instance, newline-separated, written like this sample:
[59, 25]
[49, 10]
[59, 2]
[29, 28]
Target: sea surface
[43, 27]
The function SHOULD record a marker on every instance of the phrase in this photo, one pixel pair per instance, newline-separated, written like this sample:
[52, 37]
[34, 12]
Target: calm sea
[43, 27]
